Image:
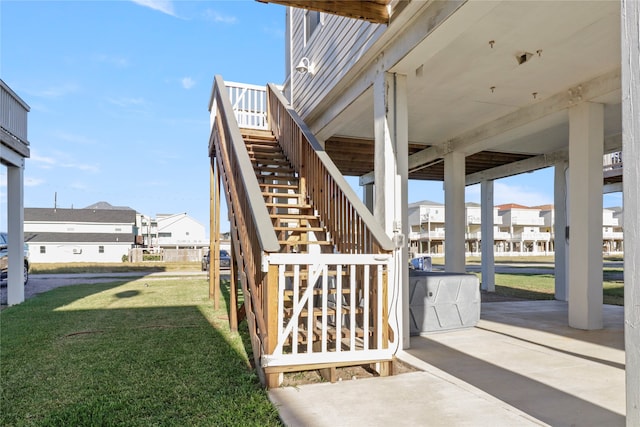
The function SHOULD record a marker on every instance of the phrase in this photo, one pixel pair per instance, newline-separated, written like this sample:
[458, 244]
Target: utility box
[442, 301]
[422, 263]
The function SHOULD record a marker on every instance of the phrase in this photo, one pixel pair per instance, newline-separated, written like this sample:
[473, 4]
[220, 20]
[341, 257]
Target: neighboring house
[170, 231]
[180, 231]
[79, 235]
[517, 229]
[426, 222]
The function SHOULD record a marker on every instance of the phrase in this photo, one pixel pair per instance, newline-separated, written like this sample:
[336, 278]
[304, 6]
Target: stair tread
[283, 186]
[304, 242]
[283, 228]
[288, 205]
[292, 216]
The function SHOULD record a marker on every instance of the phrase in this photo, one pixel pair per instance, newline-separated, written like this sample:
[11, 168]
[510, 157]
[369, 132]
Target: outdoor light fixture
[305, 66]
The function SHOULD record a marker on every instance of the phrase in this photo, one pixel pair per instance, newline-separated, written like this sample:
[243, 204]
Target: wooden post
[233, 289]
[212, 227]
[214, 241]
[270, 305]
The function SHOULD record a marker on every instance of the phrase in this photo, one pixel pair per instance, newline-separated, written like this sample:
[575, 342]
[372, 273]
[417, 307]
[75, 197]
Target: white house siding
[65, 252]
[334, 47]
[180, 231]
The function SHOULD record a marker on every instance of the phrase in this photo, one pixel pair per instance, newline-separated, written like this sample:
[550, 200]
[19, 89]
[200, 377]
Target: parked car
[225, 260]
[4, 259]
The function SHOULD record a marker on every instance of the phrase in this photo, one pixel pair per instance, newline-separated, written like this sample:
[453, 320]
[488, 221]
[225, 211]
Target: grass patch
[137, 353]
[541, 287]
[122, 267]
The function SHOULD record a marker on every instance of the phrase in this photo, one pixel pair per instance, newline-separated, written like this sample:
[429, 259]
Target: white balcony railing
[249, 104]
[13, 113]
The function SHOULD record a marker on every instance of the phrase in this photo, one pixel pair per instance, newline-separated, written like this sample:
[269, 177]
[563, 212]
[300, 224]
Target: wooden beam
[375, 11]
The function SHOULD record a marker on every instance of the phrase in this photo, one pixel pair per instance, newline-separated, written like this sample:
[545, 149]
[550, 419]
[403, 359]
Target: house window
[164, 234]
[100, 249]
[311, 22]
[187, 233]
[43, 249]
[118, 229]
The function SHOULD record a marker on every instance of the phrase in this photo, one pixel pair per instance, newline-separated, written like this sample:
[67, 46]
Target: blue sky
[119, 92]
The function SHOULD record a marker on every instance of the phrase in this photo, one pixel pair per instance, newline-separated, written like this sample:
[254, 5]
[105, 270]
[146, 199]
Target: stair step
[269, 160]
[256, 133]
[275, 168]
[304, 242]
[282, 186]
[290, 216]
[277, 178]
[283, 228]
[288, 206]
[281, 195]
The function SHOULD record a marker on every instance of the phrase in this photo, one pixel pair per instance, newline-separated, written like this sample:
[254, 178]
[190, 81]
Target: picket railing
[342, 303]
[13, 113]
[249, 103]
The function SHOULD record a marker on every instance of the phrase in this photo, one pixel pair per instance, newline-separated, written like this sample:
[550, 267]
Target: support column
[454, 220]
[214, 236]
[560, 243]
[368, 196]
[390, 207]
[630, 27]
[15, 231]
[586, 148]
[486, 223]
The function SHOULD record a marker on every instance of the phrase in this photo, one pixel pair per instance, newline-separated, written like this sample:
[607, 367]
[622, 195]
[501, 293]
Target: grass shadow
[78, 356]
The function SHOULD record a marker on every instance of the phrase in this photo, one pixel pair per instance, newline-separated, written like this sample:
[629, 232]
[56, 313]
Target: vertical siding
[333, 49]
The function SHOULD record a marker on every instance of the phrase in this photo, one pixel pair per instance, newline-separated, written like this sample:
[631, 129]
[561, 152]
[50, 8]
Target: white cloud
[116, 61]
[76, 139]
[56, 91]
[42, 161]
[81, 166]
[188, 82]
[33, 182]
[164, 6]
[78, 186]
[127, 102]
[215, 16]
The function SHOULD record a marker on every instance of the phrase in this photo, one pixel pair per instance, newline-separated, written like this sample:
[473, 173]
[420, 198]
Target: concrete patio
[521, 365]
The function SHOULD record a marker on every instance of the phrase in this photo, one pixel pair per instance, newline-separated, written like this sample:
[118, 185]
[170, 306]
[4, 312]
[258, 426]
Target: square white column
[630, 28]
[391, 156]
[486, 225]
[586, 148]
[15, 231]
[561, 244]
[454, 212]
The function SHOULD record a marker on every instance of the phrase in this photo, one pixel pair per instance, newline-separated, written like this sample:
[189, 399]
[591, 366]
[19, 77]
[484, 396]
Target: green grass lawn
[137, 353]
[541, 287]
[111, 267]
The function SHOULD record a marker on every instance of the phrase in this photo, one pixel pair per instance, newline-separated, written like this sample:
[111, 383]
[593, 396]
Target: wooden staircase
[299, 229]
[297, 225]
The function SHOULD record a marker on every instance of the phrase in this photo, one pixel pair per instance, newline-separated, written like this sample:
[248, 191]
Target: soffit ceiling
[465, 76]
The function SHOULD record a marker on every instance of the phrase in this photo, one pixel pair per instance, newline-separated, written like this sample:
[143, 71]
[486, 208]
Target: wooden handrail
[265, 234]
[250, 219]
[351, 224]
